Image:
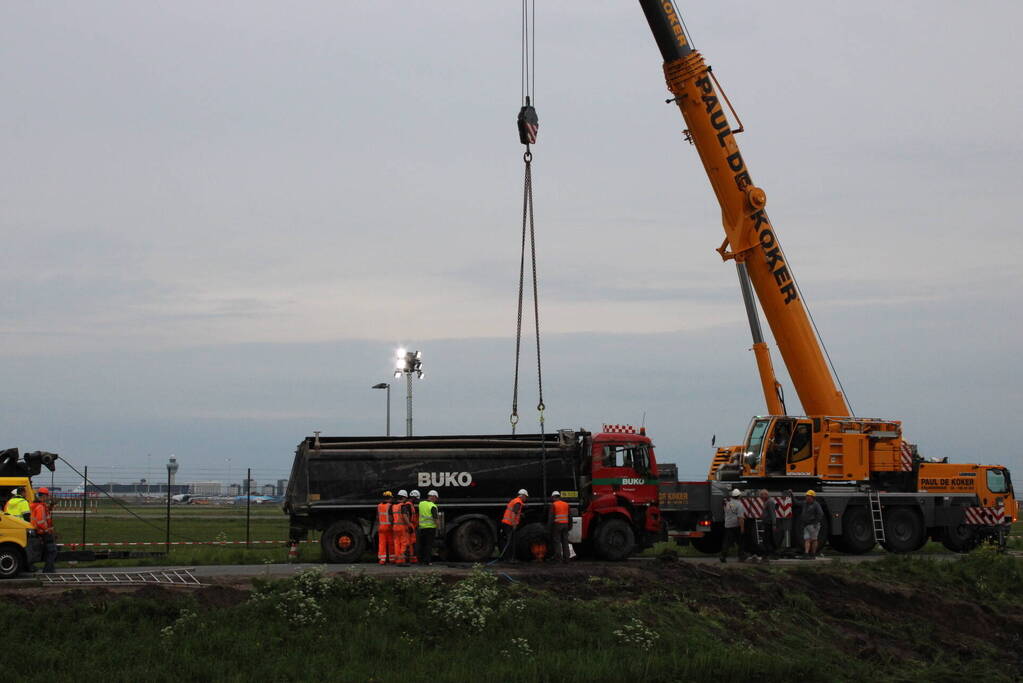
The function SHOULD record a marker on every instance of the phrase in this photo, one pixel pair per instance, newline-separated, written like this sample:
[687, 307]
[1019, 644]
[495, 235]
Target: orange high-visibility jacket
[383, 515]
[41, 518]
[511, 515]
[561, 513]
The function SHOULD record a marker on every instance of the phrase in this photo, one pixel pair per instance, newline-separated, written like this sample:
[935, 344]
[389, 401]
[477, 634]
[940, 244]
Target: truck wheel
[343, 542]
[533, 540]
[615, 540]
[473, 541]
[857, 532]
[10, 561]
[959, 539]
[709, 544]
[903, 530]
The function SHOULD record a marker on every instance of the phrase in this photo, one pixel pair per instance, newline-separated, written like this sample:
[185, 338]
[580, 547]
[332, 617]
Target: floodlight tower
[408, 363]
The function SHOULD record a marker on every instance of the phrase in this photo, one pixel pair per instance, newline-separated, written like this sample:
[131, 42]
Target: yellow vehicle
[19, 544]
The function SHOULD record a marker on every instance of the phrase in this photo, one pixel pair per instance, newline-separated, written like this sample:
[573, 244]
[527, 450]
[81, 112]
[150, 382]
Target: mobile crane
[874, 484]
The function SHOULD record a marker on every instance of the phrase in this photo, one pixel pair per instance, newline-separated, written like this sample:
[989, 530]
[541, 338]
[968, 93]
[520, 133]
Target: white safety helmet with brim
[403, 493]
[415, 493]
[736, 493]
[433, 493]
[523, 492]
[556, 494]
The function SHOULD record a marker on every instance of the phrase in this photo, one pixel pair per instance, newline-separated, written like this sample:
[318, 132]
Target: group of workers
[740, 528]
[39, 514]
[406, 528]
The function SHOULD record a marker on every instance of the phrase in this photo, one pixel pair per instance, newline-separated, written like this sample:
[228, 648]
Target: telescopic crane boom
[750, 239]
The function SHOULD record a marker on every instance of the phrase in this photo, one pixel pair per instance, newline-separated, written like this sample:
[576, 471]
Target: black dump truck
[609, 479]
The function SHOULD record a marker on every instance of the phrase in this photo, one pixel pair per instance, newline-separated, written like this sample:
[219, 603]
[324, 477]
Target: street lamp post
[172, 468]
[408, 363]
[385, 385]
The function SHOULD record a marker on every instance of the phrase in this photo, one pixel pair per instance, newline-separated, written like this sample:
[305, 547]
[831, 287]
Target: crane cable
[528, 125]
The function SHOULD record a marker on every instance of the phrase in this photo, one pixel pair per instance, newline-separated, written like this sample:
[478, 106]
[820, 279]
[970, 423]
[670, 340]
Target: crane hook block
[528, 124]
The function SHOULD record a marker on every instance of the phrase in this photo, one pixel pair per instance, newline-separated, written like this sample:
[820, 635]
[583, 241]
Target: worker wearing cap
[383, 528]
[559, 519]
[412, 508]
[813, 517]
[511, 520]
[735, 525]
[42, 519]
[427, 531]
[17, 506]
[400, 522]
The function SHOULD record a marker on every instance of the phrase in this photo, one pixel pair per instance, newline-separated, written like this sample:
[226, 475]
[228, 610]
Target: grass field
[897, 619]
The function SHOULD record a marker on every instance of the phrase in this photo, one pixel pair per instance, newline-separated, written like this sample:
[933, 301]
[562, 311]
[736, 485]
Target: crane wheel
[904, 530]
[857, 532]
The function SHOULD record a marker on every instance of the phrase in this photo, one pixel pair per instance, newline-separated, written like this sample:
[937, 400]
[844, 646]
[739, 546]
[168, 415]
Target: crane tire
[904, 530]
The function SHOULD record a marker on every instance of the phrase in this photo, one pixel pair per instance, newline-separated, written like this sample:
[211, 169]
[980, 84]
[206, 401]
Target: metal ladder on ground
[875, 514]
[758, 527]
[174, 577]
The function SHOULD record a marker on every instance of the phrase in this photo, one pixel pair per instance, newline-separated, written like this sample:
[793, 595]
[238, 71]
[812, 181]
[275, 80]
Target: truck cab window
[799, 448]
[633, 456]
[996, 482]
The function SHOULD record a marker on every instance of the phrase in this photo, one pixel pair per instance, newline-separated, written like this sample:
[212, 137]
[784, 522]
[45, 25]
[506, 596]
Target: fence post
[248, 508]
[167, 546]
[85, 497]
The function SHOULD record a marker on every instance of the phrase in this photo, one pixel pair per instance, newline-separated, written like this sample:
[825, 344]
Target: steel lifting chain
[527, 223]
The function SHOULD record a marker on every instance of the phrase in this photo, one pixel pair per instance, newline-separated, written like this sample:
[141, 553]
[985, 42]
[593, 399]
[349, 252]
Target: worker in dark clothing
[511, 520]
[559, 520]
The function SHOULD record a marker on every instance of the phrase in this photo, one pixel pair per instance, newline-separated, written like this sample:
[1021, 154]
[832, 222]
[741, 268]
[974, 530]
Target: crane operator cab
[776, 445]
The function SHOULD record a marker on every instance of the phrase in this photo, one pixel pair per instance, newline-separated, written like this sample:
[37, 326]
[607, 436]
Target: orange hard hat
[43, 489]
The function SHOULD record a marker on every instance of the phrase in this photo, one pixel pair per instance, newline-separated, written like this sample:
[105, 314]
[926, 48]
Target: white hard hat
[556, 494]
[415, 493]
[403, 492]
[523, 492]
[735, 493]
[433, 493]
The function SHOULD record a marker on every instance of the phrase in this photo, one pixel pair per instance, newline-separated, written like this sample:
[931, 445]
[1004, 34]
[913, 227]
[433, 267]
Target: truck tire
[473, 541]
[857, 532]
[959, 538]
[343, 542]
[614, 540]
[709, 544]
[903, 530]
[11, 563]
[534, 534]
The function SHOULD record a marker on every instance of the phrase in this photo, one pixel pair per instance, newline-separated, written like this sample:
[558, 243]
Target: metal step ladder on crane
[875, 514]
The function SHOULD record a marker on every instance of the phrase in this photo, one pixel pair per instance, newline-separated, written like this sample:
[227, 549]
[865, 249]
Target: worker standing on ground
[560, 521]
[17, 506]
[735, 525]
[385, 540]
[399, 527]
[42, 519]
[412, 508]
[510, 522]
[427, 527]
[813, 516]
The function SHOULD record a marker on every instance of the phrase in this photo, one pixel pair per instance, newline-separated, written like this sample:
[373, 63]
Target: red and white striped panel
[982, 516]
[907, 457]
[619, 429]
[753, 507]
[783, 507]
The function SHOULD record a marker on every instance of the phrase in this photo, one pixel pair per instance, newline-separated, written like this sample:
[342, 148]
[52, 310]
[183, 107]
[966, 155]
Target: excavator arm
[750, 239]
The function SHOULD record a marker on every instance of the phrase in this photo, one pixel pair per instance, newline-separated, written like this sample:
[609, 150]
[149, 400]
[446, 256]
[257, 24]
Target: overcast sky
[219, 220]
